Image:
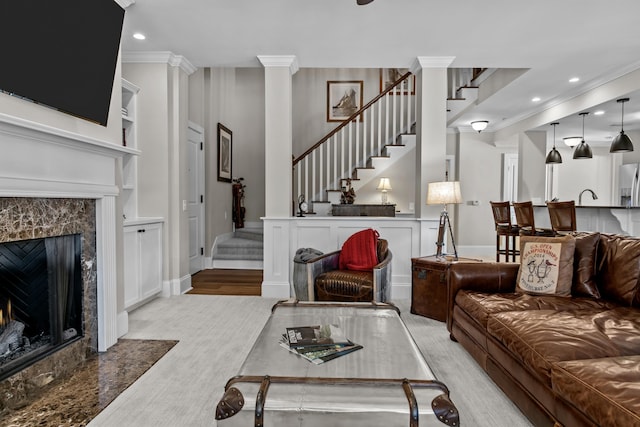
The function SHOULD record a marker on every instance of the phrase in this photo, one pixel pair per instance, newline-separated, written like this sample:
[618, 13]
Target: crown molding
[165, 57]
[125, 3]
[290, 61]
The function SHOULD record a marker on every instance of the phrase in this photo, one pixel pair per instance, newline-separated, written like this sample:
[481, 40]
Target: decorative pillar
[278, 152]
[431, 138]
[107, 272]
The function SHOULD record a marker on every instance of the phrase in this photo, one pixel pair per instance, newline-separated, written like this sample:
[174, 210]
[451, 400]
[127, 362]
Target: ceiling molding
[159, 58]
[125, 3]
[290, 61]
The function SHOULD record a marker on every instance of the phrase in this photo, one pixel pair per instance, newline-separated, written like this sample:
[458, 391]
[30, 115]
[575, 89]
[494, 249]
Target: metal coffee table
[386, 383]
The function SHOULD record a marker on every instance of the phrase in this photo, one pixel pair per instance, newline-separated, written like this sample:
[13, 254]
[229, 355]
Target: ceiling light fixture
[621, 143]
[574, 79]
[139, 36]
[535, 99]
[582, 151]
[479, 125]
[363, 2]
[572, 141]
[554, 155]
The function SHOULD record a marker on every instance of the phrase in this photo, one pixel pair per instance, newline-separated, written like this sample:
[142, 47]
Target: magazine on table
[315, 335]
[318, 354]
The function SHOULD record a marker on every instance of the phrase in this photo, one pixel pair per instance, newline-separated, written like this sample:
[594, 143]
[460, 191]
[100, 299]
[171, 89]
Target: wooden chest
[430, 285]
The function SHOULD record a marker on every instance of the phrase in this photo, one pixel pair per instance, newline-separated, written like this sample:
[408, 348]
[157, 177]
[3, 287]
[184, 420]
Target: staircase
[377, 132]
[241, 249]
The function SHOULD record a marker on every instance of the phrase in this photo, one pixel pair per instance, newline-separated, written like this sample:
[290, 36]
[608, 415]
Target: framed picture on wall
[225, 148]
[388, 76]
[343, 99]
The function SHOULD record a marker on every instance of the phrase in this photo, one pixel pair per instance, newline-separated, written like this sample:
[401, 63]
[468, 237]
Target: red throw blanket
[359, 251]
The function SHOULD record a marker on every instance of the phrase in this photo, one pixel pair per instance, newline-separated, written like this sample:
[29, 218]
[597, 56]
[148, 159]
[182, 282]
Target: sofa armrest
[491, 277]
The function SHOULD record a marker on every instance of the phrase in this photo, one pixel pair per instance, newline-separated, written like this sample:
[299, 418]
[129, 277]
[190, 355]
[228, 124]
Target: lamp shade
[479, 125]
[384, 184]
[582, 151]
[443, 193]
[553, 157]
[621, 143]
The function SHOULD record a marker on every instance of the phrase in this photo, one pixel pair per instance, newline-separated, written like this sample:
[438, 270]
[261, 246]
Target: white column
[278, 150]
[278, 141]
[431, 139]
[106, 270]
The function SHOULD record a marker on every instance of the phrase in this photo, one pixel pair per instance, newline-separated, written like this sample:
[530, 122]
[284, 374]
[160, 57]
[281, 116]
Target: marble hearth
[55, 182]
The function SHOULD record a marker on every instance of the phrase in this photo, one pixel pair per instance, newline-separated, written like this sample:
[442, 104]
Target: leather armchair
[326, 282]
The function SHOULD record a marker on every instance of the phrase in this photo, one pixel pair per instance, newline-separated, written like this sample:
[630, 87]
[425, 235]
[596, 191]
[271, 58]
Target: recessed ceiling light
[535, 99]
[598, 113]
[139, 36]
[574, 79]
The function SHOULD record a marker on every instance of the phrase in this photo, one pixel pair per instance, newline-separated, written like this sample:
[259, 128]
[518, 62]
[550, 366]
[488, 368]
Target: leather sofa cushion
[538, 339]
[480, 305]
[607, 390]
[584, 265]
[619, 269]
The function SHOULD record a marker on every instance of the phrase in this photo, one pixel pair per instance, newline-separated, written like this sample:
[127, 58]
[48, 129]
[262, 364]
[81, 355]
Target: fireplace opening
[40, 299]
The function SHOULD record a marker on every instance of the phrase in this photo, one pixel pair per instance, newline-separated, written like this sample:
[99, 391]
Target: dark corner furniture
[326, 282]
[526, 221]
[505, 229]
[562, 216]
[568, 361]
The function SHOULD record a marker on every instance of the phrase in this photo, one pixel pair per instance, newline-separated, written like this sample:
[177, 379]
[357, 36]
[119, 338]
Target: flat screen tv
[61, 53]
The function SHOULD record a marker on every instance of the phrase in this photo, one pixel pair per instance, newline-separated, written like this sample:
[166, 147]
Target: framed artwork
[343, 99]
[224, 153]
[388, 77]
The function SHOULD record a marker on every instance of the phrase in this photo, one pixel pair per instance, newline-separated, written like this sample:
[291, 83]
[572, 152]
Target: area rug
[75, 400]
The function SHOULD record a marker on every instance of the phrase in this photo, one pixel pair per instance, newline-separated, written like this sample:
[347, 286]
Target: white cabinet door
[131, 287]
[150, 260]
[142, 262]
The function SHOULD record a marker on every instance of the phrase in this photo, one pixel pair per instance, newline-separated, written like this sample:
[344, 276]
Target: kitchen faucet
[593, 195]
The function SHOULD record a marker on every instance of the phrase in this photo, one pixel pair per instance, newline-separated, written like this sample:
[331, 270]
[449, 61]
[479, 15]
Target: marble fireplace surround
[43, 162]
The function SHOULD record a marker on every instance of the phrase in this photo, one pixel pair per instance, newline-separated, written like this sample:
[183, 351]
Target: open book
[318, 354]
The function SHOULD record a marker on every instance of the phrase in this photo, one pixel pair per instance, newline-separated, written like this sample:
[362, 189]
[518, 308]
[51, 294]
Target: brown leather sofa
[564, 361]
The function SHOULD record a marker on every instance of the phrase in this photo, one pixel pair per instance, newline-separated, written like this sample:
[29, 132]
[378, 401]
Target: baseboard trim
[276, 290]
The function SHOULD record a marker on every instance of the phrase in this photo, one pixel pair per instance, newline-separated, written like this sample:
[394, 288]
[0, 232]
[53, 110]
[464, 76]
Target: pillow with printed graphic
[546, 265]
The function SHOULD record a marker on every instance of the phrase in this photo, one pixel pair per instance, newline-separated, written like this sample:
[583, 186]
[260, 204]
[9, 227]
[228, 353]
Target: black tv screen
[61, 53]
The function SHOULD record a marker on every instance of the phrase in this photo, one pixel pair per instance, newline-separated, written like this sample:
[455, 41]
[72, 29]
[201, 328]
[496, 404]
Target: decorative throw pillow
[359, 251]
[546, 265]
[584, 265]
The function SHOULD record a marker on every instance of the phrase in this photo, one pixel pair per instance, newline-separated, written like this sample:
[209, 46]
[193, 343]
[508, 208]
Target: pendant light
[621, 143]
[554, 155]
[582, 151]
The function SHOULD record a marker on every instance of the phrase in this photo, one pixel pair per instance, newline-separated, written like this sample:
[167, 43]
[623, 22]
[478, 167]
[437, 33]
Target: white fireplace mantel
[43, 161]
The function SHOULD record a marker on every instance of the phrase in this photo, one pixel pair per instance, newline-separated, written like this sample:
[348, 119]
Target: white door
[510, 177]
[195, 202]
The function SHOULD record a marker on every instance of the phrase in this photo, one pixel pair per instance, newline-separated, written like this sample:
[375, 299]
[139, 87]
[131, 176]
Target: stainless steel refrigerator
[628, 184]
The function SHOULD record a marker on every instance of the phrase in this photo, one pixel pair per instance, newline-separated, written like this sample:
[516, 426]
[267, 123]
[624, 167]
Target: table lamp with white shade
[384, 186]
[444, 193]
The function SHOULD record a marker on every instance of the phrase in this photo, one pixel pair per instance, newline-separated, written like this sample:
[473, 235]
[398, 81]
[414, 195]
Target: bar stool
[526, 221]
[502, 220]
[562, 216]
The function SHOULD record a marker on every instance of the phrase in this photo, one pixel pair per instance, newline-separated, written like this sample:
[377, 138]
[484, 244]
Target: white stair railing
[350, 145]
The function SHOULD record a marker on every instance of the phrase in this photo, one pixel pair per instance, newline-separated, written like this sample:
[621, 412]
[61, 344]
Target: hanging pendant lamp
[621, 143]
[554, 155]
[582, 151]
